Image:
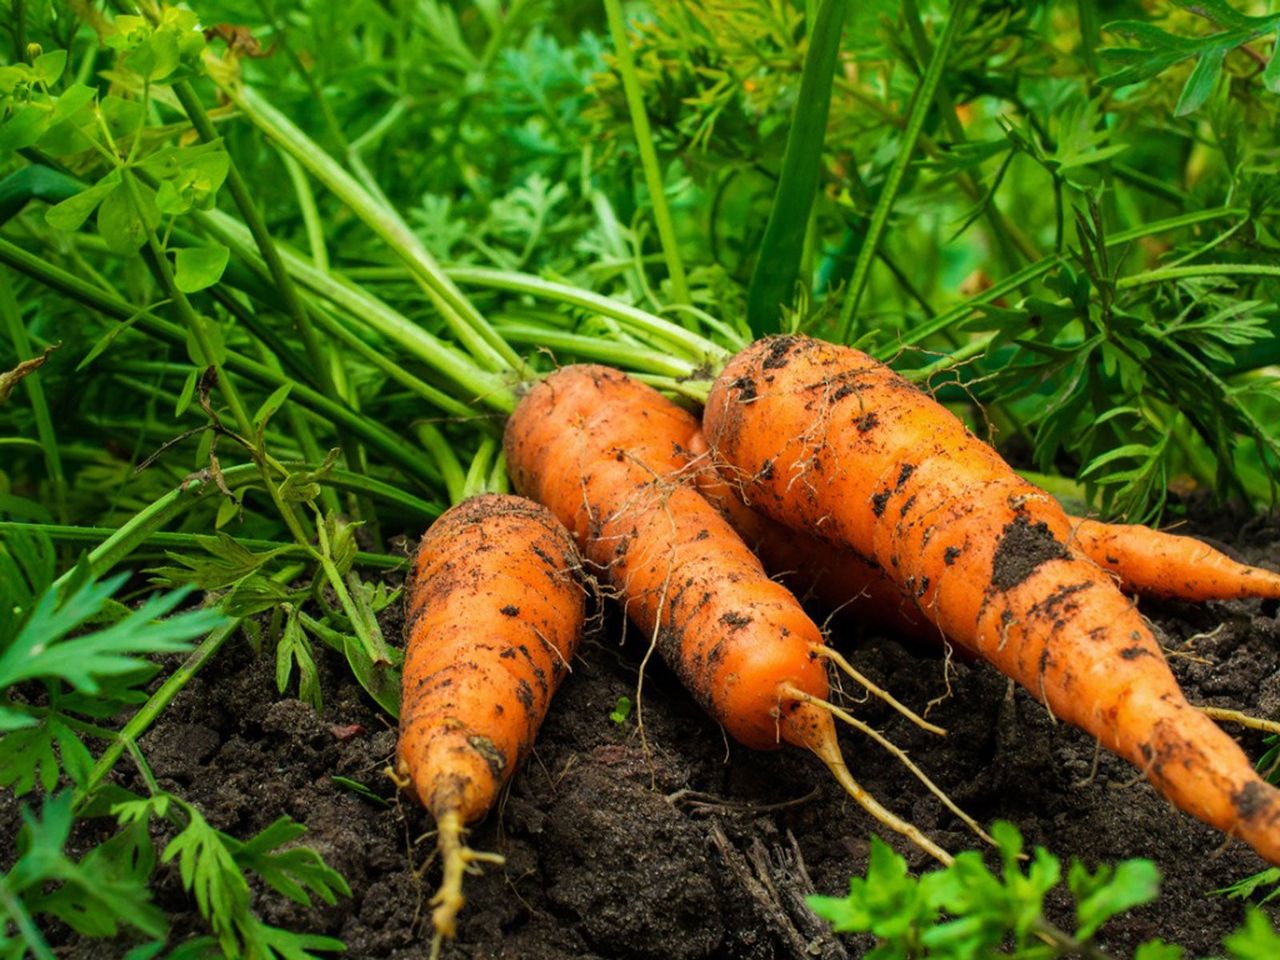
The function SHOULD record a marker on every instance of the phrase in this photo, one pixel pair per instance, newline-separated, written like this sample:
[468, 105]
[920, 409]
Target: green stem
[146, 715]
[441, 449]
[12, 317]
[598, 349]
[479, 471]
[367, 309]
[695, 347]
[471, 329]
[243, 199]
[182, 541]
[376, 436]
[780, 257]
[310, 215]
[1198, 270]
[133, 533]
[1000, 227]
[921, 103]
[648, 153]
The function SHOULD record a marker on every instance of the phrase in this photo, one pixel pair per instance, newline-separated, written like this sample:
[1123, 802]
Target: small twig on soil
[760, 889]
[698, 800]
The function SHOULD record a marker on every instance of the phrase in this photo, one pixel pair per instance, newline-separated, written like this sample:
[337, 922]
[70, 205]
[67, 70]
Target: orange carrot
[1144, 561]
[610, 457]
[494, 610]
[832, 442]
[1159, 564]
[840, 578]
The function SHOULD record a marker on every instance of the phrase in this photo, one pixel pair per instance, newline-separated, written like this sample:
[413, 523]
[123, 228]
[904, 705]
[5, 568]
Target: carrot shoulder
[834, 443]
[494, 610]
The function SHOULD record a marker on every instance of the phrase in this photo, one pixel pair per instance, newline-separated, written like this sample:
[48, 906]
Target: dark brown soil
[681, 845]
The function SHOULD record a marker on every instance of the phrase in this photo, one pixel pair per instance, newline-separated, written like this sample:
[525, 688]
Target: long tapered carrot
[830, 441]
[494, 611]
[610, 457]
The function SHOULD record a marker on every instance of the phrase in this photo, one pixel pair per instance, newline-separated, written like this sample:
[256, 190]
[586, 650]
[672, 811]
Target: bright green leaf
[1201, 82]
[49, 66]
[200, 267]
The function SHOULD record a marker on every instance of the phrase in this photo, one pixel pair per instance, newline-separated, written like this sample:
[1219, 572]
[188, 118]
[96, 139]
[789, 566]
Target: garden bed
[682, 845]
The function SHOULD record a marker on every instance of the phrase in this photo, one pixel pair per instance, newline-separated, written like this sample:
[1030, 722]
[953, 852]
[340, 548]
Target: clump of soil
[677, 844]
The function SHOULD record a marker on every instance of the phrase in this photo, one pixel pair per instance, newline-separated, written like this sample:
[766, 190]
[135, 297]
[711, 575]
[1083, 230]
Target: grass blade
[778, 262]
[920, 106]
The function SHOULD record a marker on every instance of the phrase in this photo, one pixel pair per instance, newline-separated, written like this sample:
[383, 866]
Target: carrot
[493, 614]
[1159, 564]
[842, 579]
[1143, 560]
[830, 441]
[609, 456]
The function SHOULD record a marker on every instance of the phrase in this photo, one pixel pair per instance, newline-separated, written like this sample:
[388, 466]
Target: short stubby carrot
[494, 611]
[610, 457]
[830, 441]
[1160, 564]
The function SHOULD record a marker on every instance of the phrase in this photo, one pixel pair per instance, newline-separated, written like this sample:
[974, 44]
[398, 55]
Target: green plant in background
[965, 911]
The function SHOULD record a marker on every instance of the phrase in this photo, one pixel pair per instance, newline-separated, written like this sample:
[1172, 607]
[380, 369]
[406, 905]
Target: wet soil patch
[679, 844]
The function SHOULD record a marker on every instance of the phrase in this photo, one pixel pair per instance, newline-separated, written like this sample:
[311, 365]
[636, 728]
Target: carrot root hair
[877, 691]
[456, 860]
[820, 738]
[894, 750]
[1223, 715]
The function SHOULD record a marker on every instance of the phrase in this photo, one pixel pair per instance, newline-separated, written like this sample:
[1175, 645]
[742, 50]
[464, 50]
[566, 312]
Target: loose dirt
[681, 845]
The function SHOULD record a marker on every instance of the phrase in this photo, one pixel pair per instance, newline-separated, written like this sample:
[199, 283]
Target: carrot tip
[457, 860]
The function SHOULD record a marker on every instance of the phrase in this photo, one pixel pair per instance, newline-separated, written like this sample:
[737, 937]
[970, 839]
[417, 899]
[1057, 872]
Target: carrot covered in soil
[827, 440]
[494, 610]
[610, 457]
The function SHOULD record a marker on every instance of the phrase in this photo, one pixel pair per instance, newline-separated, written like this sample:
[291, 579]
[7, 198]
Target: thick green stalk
[599, 349]
[773, 281]
[135, 531]
[467, 324]
[183, 541]
[454, 365]
[921, 104]
[648, 153]
[12, 317]
[435, 443]
[376, 436]
[689, 343]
